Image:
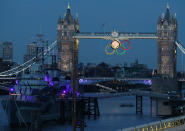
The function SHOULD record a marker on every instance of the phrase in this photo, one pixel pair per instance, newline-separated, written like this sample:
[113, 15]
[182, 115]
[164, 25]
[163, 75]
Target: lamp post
[74, 79]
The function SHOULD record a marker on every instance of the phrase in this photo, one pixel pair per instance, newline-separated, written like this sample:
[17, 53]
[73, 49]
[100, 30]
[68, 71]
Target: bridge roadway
[130, 93]
[114, 78]
[123, 79]
[94, 80]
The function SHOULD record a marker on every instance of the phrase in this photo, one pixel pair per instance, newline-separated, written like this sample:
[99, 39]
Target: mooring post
[62, 111]
[89, 108]
[82, 115]
[139, 104]
[95, 106]
[98, 111]
[156, 107]
[151, 106]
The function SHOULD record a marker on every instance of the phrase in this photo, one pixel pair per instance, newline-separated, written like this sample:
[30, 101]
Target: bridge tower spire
[68, 53]
[167, 50]
[67, 26]
[68, 7]
[167, 6]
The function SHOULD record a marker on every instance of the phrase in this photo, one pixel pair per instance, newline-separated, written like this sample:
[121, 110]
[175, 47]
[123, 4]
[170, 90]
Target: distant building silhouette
[31, 51]
[8, 51]
[137, 70]
[91, 65]
[5, 65]
[167, 50]
[66, 28]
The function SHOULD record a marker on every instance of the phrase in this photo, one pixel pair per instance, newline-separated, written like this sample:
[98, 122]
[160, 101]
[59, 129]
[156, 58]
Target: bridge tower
[67, 26]
[167, 50]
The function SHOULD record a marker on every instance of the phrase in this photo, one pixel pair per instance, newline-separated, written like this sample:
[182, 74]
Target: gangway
[106, 88]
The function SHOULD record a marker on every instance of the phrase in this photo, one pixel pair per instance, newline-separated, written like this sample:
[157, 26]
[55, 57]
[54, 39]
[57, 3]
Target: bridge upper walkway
[115, 35]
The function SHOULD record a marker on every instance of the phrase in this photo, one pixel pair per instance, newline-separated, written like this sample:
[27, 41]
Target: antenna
[40, 34]
[175, 15]
[167, 6]
[77, 15]
[163, 15]
[41, 41]
[40, 29]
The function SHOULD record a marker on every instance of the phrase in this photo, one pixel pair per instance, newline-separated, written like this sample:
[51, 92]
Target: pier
[20, 111]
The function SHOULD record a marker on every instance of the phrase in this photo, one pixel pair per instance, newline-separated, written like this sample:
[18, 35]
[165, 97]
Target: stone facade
[167, 50]
[66, 29]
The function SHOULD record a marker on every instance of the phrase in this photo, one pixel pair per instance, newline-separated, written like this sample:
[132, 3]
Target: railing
[177, 122]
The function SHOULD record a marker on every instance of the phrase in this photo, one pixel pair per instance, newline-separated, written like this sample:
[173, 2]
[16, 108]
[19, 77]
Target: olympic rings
[122, 43]
[117, 49]
[118, 53]
[109, 53]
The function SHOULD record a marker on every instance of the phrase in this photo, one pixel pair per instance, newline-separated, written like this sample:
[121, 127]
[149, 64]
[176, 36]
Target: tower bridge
[69, 36]
[68, 43]
[166, 36]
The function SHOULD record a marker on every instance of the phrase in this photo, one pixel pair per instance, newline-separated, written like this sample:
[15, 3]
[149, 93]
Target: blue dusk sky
[21, 19]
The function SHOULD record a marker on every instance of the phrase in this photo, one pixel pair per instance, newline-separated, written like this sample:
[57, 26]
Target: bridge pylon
[167, 49]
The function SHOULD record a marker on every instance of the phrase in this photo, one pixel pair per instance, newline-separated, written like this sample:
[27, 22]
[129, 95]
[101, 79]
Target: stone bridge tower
[66, 28]
[167, 50]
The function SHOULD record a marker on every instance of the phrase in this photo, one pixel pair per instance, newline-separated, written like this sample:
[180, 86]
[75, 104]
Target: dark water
[112, 116]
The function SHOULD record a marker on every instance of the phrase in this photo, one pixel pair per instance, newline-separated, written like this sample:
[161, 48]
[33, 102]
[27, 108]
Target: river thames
[112, 116]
